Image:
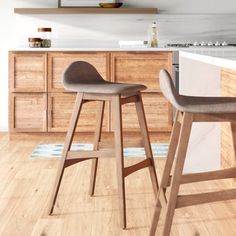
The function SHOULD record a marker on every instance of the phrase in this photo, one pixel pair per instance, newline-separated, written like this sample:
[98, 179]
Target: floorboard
[26, 184]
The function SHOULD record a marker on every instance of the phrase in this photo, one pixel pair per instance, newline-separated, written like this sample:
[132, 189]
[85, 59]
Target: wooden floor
[25, 184]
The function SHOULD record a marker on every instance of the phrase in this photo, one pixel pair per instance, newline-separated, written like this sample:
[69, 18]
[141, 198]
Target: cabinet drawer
[157, 110]
[58, 62]
[28, 112]
[28, 72]
[60, 106]
[140, 68]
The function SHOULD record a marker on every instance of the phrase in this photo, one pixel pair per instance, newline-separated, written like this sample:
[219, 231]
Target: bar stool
[83, 78]
[189, 109]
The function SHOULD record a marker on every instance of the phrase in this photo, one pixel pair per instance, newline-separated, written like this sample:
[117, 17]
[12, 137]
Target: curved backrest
[81, 72]
[168, 88]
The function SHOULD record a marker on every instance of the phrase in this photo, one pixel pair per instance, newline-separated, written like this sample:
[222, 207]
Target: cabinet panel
[157, 110]
[60, 106]
[28, 72]
[58, 62]
[28, 112]
[142, 68]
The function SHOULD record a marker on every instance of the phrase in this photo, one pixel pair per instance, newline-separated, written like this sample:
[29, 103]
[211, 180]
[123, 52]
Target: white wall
[106, 30]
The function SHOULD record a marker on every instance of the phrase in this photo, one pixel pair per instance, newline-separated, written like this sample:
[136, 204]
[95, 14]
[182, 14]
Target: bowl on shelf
[110, 4]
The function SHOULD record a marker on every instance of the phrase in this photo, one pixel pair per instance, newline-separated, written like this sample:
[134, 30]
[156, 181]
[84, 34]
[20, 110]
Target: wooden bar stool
[84, 79]
[189, 109]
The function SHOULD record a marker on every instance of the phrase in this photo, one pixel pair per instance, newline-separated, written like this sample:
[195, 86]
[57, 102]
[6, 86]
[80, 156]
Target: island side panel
[201, 79]
[228, 132]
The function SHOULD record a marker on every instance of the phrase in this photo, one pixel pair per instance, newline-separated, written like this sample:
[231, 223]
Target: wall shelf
[85, 10]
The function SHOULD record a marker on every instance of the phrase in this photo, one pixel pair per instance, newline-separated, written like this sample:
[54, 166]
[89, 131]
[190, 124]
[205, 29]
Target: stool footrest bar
[131, 99]
[143, 164]
[206, 176]
[74, 161]
[106, 152]
[201, 198]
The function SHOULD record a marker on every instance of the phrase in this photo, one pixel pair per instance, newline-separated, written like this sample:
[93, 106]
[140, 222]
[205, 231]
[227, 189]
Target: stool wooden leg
[117, 116]
[178, 169]
[67, 145]
[233, 132]
[146, 141]
[97, 139]
[166, 173]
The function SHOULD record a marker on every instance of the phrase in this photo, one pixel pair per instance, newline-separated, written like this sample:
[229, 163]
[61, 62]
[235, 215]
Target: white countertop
[190, 49]
[93, 49]
[220, 58]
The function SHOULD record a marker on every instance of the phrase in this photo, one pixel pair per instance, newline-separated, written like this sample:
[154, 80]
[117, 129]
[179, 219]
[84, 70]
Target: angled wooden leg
[233, 132]
[146, 141]
[178, 169]
[166, 173]
[97, 138]
[117, 116]
[67, 145]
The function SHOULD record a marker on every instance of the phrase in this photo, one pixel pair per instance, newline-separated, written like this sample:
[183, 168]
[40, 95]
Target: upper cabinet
[86, 10]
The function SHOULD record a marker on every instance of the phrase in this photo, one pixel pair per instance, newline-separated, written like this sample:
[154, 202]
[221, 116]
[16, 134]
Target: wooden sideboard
[39, 103]
[228, 132]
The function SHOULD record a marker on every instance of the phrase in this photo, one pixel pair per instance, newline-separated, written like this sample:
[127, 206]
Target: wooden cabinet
[39, 103]
[58, 62]
[28, 112]
[60, 106]
[228, 132]
[144, 68]
[158, 114]
[28, 72]
[28, 92]
[140, 68]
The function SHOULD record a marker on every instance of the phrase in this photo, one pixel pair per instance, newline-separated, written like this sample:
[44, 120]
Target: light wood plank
[25, 180]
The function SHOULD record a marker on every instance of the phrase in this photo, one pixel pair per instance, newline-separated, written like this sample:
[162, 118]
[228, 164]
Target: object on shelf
[35, 42]
[154, 39]
[45, 34]
[110, 5]
[133, 44]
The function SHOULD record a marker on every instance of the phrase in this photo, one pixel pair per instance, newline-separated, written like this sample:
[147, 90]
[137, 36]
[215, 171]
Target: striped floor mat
[55, 150]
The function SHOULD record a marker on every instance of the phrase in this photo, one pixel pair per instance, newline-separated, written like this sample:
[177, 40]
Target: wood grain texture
[28, 72]
[228, 131]
[85, 10]
[58, 62]
[28, 112]
[60, 107]
[42, 72]
[26, 183]
[157, 110]
[140, 68]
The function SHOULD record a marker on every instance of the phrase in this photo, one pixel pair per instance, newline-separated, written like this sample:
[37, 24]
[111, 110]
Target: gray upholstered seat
[195, 104]
[82, 77]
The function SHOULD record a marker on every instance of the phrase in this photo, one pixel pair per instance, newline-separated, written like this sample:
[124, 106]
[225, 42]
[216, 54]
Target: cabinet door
[58, 62]
[140, 68]
[28, 112]
[60, 106]
[27, 72]
[157, 110]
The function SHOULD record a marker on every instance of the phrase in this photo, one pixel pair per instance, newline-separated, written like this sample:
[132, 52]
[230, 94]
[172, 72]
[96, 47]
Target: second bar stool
[83, 78]
[189, 109]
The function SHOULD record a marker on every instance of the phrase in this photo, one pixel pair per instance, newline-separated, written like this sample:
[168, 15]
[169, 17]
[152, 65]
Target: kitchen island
[209, 73]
